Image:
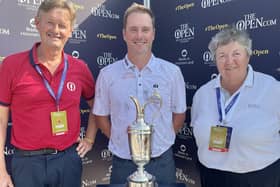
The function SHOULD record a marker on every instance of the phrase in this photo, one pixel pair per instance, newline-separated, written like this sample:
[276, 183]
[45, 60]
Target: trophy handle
[139, 109]
[154, 99]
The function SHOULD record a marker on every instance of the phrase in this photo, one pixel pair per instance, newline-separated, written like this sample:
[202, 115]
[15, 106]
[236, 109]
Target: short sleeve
[179, 104]
[6, 75]
[88, 83]
[101, 100]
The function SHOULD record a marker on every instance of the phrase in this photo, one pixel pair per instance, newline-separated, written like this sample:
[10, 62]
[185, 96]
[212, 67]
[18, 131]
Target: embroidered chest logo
[71, 86]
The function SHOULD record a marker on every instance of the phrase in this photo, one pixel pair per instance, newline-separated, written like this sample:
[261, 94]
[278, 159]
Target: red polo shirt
[23, 89]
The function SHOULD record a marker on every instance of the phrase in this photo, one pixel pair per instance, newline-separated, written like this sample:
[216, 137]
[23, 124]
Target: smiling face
[232, 60]
[139, 34]
[55, 28]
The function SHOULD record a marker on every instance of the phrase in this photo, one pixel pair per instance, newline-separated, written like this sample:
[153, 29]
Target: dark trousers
[163, 168]
[267, 177]
[63, 169]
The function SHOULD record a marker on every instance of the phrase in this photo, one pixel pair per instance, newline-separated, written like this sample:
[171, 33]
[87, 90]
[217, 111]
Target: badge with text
[220, 138]
[59, 123]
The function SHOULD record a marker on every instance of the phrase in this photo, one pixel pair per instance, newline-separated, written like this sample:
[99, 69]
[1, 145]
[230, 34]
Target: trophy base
[150, 183]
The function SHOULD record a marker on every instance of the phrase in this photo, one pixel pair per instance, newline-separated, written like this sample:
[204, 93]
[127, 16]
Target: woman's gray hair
[230, 34]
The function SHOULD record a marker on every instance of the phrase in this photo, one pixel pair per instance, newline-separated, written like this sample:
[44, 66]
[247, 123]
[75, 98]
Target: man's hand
[5, 180]
[84, 146]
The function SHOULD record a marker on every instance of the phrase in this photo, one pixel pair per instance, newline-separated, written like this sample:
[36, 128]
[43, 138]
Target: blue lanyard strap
[228, 107]
[46, 83]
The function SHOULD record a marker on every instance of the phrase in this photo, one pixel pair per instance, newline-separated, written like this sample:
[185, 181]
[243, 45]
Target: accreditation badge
[220, 138]
[59, 123]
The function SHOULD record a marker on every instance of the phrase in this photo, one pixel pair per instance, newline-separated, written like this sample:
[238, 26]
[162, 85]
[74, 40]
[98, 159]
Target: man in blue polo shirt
[139, 74]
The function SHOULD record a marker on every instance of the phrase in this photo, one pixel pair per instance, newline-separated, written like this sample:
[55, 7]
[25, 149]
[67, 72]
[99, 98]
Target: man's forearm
[178, 121]
[104, 124]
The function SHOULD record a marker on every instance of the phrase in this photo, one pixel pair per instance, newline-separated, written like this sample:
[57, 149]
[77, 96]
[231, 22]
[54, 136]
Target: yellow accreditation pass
[59, 123]
[220, 138]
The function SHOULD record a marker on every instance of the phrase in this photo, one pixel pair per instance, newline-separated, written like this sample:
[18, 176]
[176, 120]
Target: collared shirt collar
[35, 60]
[151, 65]
[249, 81]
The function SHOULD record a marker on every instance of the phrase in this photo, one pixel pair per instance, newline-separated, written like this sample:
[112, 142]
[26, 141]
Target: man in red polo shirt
[42, 88]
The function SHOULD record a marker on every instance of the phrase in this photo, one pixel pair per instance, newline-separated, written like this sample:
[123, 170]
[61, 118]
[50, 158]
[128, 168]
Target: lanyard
[47, 85]
[222, 114]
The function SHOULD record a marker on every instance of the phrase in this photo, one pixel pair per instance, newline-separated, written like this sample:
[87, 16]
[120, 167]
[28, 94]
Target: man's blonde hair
[135, 7]
[48, 5]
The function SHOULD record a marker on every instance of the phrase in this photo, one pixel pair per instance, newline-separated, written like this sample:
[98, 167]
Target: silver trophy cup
[140, 138]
